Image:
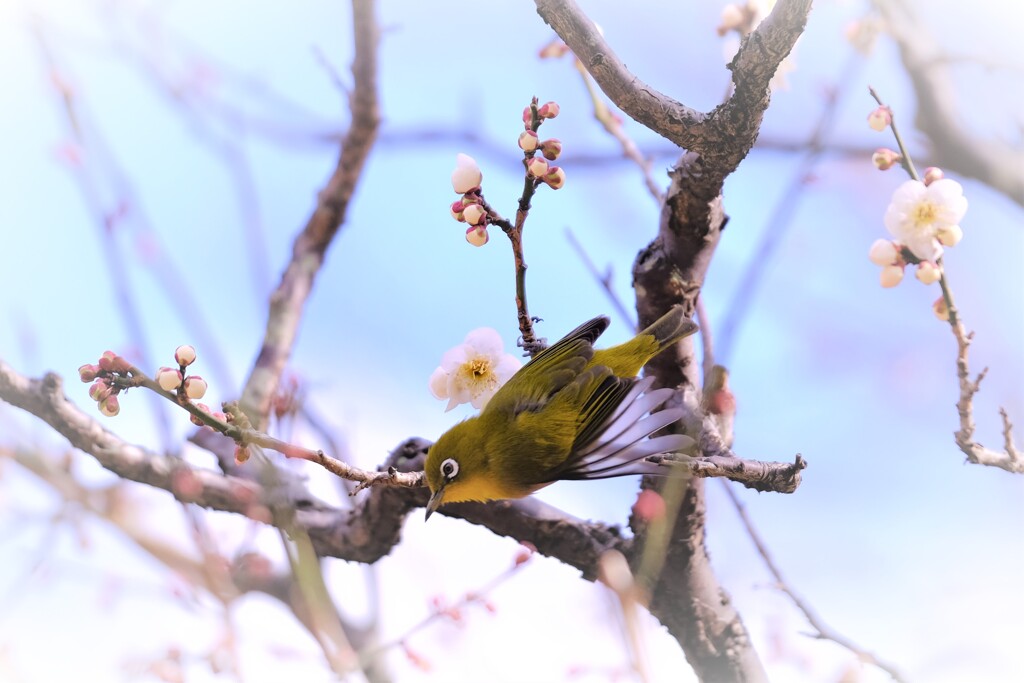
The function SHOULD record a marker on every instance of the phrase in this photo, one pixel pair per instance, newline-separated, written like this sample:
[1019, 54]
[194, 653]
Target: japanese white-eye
[572, 412]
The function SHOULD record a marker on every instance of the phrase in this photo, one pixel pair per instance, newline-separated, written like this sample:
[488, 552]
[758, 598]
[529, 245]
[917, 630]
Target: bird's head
[449, 463]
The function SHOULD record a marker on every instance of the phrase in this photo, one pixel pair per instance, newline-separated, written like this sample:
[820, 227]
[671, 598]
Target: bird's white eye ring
[449, 468]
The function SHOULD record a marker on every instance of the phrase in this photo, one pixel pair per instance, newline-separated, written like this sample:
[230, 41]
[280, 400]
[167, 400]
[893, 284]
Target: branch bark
[310, 246]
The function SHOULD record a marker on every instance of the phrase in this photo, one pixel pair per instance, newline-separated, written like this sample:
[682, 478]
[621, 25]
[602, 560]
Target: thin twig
[604, 280]
[823, 630]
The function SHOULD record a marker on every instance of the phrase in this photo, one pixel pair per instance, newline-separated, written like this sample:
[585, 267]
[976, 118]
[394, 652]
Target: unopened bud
[548, 110]
[528, 141]
[551, 148]
[556, 48]
[88, 372]
[884, 253]
[931, 174]
[528, 117]
[880, 118]
[891, 276]
[106, 361]
[474, 214]
[185, 355]
[940, 309]
[928, 272]
[456, 211]
[241, 454]
[537, 167]
[169, 379]
[477, 235]
[467, 175]
[110, 406]
[195, 387]
[195, 420]
[100, 390]
[950, 235]
[555, 177]
[649, 506]
[885, 158]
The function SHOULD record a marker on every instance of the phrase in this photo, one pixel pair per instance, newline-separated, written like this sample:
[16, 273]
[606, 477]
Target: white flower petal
[506, 367]
[924, 247]
[439, 383]
[454, 358]
[485, 341]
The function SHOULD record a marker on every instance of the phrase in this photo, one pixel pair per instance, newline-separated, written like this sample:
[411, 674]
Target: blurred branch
[310, 245]
[993, 162]
[822, 630]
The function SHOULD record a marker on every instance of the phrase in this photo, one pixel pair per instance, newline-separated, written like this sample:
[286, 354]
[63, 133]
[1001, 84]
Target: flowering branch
[1009, 459]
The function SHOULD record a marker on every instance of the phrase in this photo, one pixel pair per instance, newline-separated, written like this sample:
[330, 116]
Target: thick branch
[288, 300]
[726, 133]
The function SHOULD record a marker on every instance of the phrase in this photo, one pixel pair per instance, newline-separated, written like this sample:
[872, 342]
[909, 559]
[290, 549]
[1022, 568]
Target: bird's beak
[435, 501]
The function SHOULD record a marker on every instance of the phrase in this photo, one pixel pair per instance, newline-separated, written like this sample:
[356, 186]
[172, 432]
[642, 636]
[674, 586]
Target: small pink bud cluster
[104, 375]
[186, 387]
[538, 168]
[469, 208]
[892, 257]
[553, 50]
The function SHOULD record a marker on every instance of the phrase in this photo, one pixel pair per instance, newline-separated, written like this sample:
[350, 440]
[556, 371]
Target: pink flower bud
[880, 118]
[528, 117]
[884, 253]
[241, 454]
[548, 110]
[88, 372]
[110, 406]
[928, 272]
[100, 390]
[120, 365]
[477, 235]
[950, 235]
[931, 174]
[555, 177]
[537, 167]
[891, 276]
[106, 361]
[467, 175]
[551, 148]
[649, 506]
[885, 158]
[940, 309]
[185, 355]
[528, 141]
[474, 214]
[195, 420]
[456, 211]
[169, 379]
[195, 387]
[553, 50]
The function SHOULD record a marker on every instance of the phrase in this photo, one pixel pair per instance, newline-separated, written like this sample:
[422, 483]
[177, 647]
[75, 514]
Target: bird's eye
[449, 468]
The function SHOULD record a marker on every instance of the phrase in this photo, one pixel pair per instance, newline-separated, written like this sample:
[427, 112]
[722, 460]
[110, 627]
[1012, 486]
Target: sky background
[211, 124]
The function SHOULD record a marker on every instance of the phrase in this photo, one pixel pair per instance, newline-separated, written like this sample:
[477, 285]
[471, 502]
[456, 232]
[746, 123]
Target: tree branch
[310, 246]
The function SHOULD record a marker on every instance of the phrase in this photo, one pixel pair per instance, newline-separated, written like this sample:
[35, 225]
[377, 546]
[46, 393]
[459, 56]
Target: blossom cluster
[474, 370]
[103, 374]
[467, 177]
[923, 216]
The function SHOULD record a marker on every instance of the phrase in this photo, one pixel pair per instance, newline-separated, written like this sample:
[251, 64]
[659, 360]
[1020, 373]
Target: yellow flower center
[923, 215]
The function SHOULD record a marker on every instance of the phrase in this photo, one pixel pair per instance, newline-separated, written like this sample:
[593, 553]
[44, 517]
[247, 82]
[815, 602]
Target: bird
[571, 412]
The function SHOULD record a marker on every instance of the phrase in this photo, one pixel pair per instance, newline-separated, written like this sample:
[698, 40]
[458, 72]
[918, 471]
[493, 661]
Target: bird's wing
[614, 425]
[547, 373]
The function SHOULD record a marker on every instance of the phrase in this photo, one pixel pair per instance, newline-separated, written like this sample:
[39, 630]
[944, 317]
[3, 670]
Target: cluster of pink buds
[186, 387]
[538, 167]
[469, 208]
[104, 375]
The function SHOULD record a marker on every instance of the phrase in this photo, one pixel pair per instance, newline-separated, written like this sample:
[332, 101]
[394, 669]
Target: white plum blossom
[467, 175]
[474, 370]
[917, 214]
